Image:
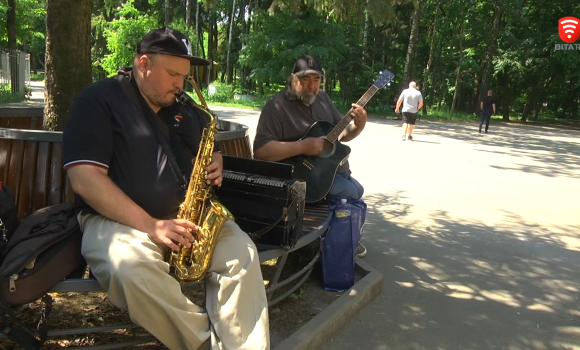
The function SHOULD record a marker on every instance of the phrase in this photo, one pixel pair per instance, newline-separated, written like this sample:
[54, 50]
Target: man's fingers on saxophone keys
[168, 242]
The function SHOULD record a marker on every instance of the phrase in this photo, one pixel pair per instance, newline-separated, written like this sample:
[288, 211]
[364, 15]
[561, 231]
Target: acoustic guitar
[318, 171]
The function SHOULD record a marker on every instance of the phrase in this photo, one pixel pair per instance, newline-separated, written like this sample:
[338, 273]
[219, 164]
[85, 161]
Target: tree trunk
[540, 101]
[197, 26]
[528, 107]
[68, 62]
[427, 72]
[491, 47]
[431, 99]
[11, 29]
[188, 12]
[458, 70]
[413, 39]
[475, 96]
[167, 11]
[366, 30]
[506, 98]
[210, 51]
[229, 64]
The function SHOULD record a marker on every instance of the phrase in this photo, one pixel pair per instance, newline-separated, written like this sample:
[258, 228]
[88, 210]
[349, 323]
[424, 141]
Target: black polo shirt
[285, 118]
[106, 129]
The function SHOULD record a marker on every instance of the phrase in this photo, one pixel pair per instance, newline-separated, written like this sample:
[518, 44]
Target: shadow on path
[467, 285]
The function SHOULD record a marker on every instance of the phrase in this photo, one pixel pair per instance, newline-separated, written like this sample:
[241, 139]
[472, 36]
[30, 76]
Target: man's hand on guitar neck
[359, 115]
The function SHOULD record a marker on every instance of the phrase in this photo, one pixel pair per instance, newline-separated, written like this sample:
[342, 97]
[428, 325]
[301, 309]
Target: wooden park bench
[31, 164]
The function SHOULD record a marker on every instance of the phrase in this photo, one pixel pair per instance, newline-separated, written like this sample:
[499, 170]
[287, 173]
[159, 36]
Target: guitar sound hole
[328, 149]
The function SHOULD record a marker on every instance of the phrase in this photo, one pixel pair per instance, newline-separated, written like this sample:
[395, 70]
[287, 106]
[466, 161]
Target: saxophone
[191, 264]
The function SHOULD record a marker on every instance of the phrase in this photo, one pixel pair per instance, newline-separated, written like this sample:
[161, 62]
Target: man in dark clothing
[487, 110]
[288, 115]
[129, 196]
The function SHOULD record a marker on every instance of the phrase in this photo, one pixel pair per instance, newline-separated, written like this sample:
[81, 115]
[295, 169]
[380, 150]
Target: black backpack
[44, 250]
[9, 220]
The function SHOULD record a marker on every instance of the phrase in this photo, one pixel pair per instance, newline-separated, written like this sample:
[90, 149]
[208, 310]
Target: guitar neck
[339, 128]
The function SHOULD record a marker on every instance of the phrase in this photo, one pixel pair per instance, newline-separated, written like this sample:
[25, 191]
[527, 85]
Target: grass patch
[37, 76]
[6, 95]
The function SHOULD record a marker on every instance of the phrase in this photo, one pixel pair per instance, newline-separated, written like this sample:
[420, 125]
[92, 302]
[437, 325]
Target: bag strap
[12, 328]
[155, 125]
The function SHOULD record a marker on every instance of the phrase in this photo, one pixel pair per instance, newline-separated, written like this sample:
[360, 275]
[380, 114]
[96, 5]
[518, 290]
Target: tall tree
[68, 57]
[11, 29]
[427, 78]
[458, 71]
[229, 63]
[167, 13]
[413, 39]
[491, 48]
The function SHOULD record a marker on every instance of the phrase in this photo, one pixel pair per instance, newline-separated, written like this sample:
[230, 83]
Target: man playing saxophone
[129, 195]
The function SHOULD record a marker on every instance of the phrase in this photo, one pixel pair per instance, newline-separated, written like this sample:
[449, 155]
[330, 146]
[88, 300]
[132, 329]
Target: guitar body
[318, 171]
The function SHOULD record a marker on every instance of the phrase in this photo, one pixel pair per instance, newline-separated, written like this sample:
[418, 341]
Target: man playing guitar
[289, 114]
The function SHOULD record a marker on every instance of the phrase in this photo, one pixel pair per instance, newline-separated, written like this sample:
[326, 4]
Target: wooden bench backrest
[31, 165]
[29, 118]
[31, 162]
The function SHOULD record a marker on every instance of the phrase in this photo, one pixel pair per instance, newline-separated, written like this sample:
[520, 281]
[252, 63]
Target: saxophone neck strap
[156, 126]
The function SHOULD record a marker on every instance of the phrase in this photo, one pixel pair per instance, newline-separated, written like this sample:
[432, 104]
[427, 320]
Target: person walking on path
[412, 101]
[487, 110]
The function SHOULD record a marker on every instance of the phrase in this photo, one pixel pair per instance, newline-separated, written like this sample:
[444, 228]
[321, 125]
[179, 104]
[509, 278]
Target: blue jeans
[345, 186]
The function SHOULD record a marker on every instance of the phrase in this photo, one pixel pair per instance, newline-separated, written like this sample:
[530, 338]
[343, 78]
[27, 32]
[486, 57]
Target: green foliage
[6, 95]
[37, 76]
[123, 34]
[284, 37]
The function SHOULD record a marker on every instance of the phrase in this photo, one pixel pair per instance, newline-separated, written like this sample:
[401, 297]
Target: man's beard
[163, 101]
[308, 100]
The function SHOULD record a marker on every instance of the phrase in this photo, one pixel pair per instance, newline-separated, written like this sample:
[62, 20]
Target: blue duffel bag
[339, 245]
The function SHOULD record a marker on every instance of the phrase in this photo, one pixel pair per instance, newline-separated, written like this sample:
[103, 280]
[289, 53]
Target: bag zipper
[13, 279]
[3, 230]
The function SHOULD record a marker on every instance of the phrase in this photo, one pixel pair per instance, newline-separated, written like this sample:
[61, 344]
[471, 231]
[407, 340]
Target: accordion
[265, 200]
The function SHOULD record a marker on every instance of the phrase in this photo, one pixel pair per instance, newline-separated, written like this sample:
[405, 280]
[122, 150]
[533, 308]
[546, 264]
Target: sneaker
[410, 138]
[361, 251]
[404, 138]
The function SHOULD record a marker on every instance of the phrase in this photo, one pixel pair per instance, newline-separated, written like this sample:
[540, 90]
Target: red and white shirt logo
[569, 29]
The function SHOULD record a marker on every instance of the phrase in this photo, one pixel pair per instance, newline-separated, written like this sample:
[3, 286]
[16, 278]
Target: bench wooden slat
[15, 168]
[236, 147]
[27, 181]
[41, 178]
[20, 123]
[5, 152]
[56, 182]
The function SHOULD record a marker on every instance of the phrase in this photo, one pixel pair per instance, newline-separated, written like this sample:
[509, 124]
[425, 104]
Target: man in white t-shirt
[412, 101]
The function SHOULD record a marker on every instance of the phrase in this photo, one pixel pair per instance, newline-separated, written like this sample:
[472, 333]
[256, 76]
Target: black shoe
[480, 129]
[486, 131]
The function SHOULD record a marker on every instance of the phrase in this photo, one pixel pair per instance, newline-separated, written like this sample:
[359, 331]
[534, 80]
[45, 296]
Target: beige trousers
[132, 269]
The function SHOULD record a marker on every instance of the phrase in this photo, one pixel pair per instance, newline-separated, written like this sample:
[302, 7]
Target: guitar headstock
[384, 79]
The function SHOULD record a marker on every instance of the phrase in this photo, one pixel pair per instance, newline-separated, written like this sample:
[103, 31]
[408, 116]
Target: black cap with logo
[307, 65]
[168, 41]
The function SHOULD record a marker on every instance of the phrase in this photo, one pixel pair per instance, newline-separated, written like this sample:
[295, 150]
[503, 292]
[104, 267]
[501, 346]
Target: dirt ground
[94, 309]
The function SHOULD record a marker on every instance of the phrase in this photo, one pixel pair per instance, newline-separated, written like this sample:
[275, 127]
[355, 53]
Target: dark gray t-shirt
[286, 118]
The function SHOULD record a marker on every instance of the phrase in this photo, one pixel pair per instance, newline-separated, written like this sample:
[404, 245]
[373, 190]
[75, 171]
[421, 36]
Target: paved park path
[477, 236]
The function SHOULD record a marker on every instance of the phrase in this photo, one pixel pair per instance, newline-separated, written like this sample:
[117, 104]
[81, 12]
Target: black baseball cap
[307, 65]
[169, 41]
